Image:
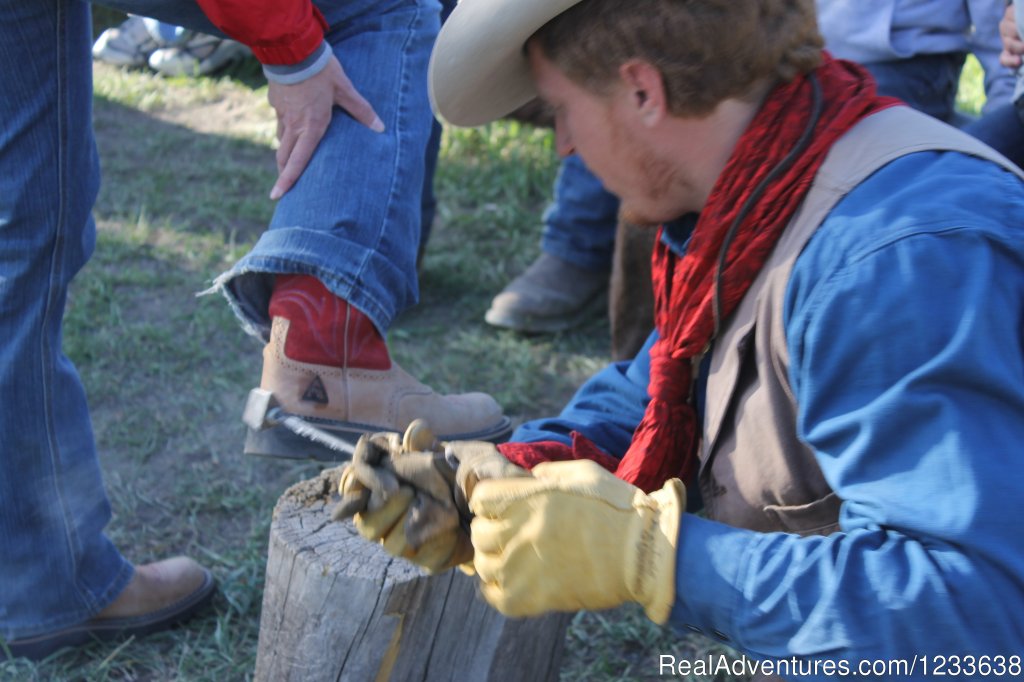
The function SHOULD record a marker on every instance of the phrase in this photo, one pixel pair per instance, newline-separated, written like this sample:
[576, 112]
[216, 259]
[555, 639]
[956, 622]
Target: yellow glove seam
[655, 580]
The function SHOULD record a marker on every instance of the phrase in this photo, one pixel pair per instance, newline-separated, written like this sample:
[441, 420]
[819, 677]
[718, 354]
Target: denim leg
[926, 82]
[353, 218]
[579, 225]
[1003, 130]
[429, 204]
[364, 204]
[56, 565]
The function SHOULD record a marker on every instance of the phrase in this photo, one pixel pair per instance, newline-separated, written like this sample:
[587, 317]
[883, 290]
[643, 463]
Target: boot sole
[283, 443]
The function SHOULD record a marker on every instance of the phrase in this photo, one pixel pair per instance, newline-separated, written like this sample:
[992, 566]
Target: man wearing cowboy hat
[837, 375]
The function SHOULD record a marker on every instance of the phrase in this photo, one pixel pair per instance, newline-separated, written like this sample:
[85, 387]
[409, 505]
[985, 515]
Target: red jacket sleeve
[279, 32]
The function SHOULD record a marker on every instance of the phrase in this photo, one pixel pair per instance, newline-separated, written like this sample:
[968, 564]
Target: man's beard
[660, 184]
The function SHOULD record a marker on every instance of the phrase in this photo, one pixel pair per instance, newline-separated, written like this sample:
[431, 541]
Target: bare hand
[1013, 45]
[303, 113]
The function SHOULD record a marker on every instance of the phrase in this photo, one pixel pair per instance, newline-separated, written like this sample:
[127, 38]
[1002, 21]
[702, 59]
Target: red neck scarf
[761, 187]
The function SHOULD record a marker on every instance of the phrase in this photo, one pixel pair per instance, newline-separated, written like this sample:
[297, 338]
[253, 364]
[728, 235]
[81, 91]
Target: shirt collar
[676, 234]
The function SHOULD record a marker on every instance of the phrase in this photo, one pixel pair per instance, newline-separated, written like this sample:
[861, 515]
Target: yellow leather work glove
[476, 461]
[573, 536]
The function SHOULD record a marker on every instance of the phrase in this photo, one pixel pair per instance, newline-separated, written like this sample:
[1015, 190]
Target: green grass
[970, 96]
[187, 167]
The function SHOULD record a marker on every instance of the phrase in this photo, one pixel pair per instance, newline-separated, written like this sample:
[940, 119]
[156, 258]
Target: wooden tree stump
[337, 607]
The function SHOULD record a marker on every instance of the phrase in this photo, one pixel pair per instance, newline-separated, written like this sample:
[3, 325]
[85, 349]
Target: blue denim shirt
[904, 320]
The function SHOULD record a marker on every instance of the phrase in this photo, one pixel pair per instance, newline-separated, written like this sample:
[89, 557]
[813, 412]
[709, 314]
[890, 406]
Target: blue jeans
[579, 225]
[428, 204]
[353, 220]
[926, 82]
[56, 565]
[168, 35]
[1002, 129]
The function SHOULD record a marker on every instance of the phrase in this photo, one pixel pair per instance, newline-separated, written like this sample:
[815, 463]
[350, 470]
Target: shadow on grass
[169, 175]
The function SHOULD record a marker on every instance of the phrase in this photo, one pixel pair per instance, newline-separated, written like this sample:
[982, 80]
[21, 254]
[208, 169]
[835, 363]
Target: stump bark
[337, 607]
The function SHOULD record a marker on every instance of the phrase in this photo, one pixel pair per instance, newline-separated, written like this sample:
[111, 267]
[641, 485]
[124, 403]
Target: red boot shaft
[324, 329]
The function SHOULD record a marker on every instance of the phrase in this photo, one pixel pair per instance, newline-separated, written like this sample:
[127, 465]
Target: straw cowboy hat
[478, 70]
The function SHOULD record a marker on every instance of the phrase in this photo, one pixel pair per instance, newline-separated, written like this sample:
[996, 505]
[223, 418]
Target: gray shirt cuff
[289, 74]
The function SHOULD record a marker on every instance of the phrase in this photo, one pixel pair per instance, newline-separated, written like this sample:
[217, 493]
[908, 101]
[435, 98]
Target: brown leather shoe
[348, 402]
[159, 596]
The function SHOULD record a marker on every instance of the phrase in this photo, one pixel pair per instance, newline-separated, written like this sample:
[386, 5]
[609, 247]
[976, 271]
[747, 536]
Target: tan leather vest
[755, 471]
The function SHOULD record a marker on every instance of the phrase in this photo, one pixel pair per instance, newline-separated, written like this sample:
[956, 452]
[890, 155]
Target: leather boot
[159, 596]
[552, 295]
[326, 362]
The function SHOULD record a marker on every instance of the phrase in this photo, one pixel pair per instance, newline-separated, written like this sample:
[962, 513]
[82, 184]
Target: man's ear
[646, 90]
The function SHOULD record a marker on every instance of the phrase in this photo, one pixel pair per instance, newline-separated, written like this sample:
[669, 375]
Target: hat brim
[478, 69]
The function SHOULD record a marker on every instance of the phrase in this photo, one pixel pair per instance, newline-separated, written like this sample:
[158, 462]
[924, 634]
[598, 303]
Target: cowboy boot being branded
[327, 363]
